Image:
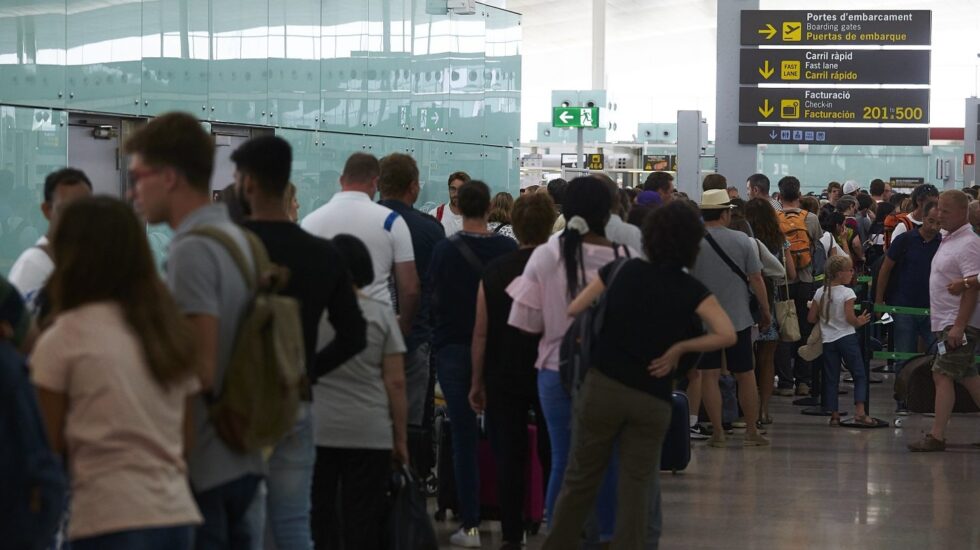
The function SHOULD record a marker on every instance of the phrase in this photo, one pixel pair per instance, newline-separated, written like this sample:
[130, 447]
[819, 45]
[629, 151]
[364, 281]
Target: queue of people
[373, 305]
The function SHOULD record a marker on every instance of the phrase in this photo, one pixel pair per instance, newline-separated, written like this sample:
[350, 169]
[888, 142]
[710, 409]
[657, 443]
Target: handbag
[408, 526]
[786, 319]
[814, 345]
[754, 308]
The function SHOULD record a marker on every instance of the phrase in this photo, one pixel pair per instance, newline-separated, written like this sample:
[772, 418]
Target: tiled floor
[818, 487]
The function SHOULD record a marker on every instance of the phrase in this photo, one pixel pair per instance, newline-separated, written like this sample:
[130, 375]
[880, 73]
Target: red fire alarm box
[969, 159]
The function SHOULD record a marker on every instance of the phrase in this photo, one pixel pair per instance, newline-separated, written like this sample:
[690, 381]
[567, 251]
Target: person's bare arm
[478, 393]
[856, 321]
[393, 373]
[813, 315]
[759, 289]
[587, 297]
[958, 286]
[205, 329]
[884, 274]
[721, 334]
[54, 409]
[409, 293]
[790, 267]
[968, 303]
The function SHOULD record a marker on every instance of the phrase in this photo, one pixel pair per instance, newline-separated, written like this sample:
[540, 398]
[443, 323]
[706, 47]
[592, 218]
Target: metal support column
[736, 162]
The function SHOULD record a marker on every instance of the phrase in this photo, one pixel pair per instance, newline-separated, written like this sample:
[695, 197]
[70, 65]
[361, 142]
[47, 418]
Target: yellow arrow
[767, 71]
[769, 31]
[765, 110]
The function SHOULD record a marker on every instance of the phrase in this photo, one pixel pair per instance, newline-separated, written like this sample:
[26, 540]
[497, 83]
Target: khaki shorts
[958, 363]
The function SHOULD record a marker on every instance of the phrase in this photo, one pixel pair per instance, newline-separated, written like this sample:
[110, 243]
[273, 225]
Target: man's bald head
[975, 216]
[953, 207]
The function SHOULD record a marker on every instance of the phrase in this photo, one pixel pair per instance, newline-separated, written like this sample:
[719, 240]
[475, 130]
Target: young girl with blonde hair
[833, 306]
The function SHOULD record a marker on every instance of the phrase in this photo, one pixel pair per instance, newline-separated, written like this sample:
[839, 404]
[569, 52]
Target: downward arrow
[766, 71]
[769, 31]
[766, 110]
[564, 117]
[773, 134]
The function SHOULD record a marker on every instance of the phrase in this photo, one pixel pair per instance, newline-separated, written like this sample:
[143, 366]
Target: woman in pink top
[554, 275]
[113, 373]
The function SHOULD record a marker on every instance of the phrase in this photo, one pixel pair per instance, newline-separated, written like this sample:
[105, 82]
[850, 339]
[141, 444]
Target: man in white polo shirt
[383, 231]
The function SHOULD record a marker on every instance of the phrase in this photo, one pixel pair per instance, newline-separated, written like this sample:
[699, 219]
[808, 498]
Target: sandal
[834, 422]
[765, 420]
[865, 420]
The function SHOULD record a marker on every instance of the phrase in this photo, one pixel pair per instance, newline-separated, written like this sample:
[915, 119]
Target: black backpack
[579, 346]
[33, 492]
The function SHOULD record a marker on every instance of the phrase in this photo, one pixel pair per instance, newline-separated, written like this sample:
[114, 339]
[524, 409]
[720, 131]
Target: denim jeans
[557, 407]
[178, 537]
[417, 382]
[229, 518]
[289, 484]
[454, 372]
[847, 349]
[908, 329]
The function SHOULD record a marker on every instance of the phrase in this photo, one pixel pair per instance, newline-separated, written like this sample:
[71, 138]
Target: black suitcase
[915, 386]
[446, 495]
[676, 452]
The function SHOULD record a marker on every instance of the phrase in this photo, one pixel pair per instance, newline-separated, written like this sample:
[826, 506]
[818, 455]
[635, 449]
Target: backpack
[259, 398]
[891, 222]
[579, 346]
[793, 225]
[819, 258]
[34, 494]
[440, 211]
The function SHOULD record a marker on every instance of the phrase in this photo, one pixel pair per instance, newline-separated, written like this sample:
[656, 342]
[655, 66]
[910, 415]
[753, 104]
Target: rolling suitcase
[533, 483]
[676, 452]
[446, 500]
[915, 386]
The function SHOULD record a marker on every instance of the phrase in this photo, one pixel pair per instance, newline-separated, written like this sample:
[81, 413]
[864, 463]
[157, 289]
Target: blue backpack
[33, 488]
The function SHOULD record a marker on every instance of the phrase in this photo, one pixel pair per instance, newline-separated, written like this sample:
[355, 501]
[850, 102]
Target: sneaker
[783, 392]
[739, 425]
[698, 432]
[725, 426]
[928, 444]
[466, 538]
[803, 389]
[755, 440]
[760, 427]
[717, 441]
[901, 409]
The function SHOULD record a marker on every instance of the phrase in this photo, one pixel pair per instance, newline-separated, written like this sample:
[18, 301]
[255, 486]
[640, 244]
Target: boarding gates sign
[810, 77]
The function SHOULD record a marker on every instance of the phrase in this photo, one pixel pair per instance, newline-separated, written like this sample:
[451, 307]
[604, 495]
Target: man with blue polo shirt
[904, 281]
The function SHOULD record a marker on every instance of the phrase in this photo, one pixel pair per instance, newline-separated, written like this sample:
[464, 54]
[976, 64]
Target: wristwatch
[966, 282]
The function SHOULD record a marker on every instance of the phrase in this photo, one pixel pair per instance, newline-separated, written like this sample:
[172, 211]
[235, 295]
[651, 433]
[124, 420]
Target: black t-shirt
[455, 282]
[650, 308]
[319, 280]
[511, 353]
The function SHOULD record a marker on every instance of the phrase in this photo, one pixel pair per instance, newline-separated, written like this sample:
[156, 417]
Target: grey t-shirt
[350, 404]
[205, 280]
[731, 290]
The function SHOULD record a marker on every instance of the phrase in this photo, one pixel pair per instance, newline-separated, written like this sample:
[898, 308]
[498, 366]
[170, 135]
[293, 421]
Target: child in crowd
[833, 306]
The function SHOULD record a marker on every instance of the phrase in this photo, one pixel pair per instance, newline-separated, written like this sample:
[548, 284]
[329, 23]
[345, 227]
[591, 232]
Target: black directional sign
[823, 66]
[866, 27]
[883, 106]
[832, 135]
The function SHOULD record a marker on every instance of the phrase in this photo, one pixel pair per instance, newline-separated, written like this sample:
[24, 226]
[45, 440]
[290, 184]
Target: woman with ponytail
[554, 275]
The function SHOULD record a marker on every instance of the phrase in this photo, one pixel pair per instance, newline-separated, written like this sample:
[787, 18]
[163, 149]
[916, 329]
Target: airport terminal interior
[867, 110]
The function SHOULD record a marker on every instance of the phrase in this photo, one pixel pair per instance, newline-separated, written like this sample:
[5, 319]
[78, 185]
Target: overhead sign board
[848, 27]
[832, 135]
[575, 117]
[905, 181]
[597, 161]
[883, 106]
[659, 163]
[824, 66]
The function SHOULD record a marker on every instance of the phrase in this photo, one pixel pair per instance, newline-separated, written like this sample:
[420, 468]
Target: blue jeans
[178, 537]
[454, 372]
[847, 349]
[556, 405]
[908, 329]
[229, 519]
[290, 483]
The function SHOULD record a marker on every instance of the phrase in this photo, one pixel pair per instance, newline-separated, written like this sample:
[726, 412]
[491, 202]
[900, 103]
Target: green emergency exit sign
[575, 117]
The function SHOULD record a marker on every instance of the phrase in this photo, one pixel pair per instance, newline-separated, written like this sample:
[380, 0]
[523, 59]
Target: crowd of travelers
[262, 388]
